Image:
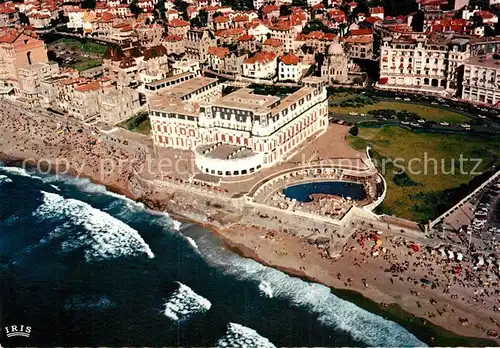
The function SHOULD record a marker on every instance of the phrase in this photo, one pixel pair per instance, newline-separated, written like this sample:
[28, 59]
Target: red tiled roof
[87, 87]
[221, 19]
[376, 10]
[172, 38]
[261, 57]
[270, 8]
[272, 42]
[485, 14]
[176, 22]
[366, 31]
[329, 37]
[372, 20]
[246, 37]
[289, 59]
[229, 32]
[220, 52]
[9, 35]
[240, 18]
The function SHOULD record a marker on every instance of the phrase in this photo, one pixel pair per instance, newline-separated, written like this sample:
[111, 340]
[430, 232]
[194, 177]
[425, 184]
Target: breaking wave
[184, 303]
[331, 311]
[192, 243]
[98, 233]
[241, 336]
[16, 171]
[4, 179]
[265, 289]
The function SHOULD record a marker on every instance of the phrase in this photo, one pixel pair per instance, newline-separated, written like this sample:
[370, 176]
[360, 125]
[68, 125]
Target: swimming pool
[303, 192]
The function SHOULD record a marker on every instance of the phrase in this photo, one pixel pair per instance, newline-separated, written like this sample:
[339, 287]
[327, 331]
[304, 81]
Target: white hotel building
[240, 133]
[423, 64]
[481, 83]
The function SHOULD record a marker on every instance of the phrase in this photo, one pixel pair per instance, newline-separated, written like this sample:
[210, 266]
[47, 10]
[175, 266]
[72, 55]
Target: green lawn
[427, 190]
[139, 123]
[339, 97]
[86, 46]
[144, 127]
[87, 64]
[427, 112]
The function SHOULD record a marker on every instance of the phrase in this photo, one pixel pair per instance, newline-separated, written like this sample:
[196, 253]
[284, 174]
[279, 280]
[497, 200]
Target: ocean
[81, 265]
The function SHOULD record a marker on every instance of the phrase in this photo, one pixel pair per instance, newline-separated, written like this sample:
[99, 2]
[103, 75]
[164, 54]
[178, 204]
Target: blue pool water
[303, 192]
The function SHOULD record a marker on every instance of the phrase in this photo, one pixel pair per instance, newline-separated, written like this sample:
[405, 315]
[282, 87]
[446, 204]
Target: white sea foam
[331, 311]
[55, 187]
[176, 225]
[184, 303]
[16, 171]
[266, 289]
[5, 178]
[192, 243]
[101, 236]
[241, 336]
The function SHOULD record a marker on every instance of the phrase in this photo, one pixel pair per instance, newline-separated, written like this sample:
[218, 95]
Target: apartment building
[481, 80]
[428, 65]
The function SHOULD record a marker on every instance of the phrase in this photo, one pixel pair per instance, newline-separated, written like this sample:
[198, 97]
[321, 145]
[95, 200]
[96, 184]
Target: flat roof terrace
[188, 87]
[487, 62]
[244, 98]
[225, 151]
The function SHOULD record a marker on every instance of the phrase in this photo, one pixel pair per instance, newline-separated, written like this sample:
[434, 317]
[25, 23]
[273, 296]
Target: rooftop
[245, 99]
[488, 61]
[224, 151]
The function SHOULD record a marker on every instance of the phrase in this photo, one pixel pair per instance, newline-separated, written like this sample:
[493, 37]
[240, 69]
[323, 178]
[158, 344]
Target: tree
[417, 22]
[203, 15]
[90, 4]
[357, 80]
[477, 21]
[285, 10]
[319, 58]
[181, 6]
[361, 7]
[489, 31]
[354, 131]
[136, 10]
[299, 3]
[397, 7]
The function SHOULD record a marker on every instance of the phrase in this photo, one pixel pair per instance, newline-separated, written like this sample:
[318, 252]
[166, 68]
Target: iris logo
[19, 331]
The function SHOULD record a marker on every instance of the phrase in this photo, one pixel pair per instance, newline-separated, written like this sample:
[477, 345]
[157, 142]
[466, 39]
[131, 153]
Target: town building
[428, 65]
[30, 78]
[178, 27]
[197, 43]
[242, 132]
[289, 68]
[18, 49]
[481, 80]
[335, 65]
[118, 104]
[216, 58]
[262, 65]
[233, 63]
[360, 44]
[186, 65]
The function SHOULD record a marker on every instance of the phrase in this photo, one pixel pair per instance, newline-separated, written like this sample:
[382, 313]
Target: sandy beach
[454, 297]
